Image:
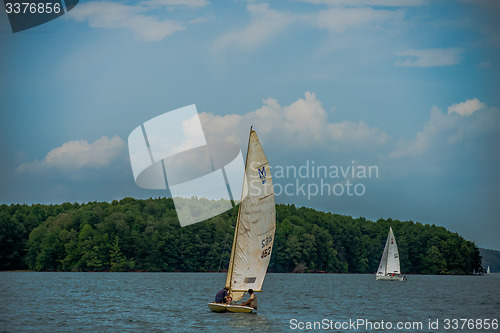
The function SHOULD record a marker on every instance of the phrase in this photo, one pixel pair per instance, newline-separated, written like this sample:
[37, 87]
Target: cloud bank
[385, 3]
[78, 154]
[304, 123]
[467, 108]
[265, 23]
[443, 129]
[429, 57]
[138, 19]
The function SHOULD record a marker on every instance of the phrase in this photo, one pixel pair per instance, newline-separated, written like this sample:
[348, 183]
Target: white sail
[393, 255]
[488, 270]
[382, 267]
[256, 224]
[389, 263]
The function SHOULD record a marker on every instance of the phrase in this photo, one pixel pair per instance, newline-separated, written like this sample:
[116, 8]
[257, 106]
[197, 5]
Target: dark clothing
[221, 296]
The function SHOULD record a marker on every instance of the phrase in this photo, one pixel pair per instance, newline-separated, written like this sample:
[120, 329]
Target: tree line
[145, 235]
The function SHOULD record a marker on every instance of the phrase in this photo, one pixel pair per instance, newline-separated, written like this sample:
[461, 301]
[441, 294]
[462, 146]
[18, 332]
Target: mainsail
[256, 224]
[389, 263]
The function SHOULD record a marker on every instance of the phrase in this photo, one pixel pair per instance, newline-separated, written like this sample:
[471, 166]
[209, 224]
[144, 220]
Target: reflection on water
[156, 302]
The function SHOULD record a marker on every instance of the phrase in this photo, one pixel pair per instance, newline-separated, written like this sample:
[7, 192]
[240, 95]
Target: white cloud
[302, 124]
[385, 3]
[340, 19]
[78, 154]
[106, 14]
[451, 128]
[430, 57]
[467, 108]
[437, 123]
[265, 23]
[175, 3]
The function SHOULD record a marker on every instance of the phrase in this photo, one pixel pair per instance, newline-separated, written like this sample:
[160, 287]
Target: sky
[406, 89]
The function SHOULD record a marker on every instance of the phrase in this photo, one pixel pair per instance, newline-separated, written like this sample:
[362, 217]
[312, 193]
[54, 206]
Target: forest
[145, 235]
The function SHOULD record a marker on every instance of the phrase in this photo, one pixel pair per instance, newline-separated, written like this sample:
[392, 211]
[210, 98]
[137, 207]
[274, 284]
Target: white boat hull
[390, 277]
[217, 307]
[222, 307]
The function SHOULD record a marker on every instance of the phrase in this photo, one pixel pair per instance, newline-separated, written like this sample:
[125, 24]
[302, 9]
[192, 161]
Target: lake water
[155, 302]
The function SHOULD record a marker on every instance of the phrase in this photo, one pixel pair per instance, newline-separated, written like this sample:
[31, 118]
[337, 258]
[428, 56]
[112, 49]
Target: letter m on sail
[262, 174]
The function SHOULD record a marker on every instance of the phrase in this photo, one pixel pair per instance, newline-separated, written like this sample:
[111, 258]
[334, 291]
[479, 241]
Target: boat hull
[390, 277]
[221, 307]
[217, 307]
[240, 309]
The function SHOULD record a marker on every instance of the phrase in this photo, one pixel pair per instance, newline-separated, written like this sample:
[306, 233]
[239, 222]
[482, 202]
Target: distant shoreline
[302, 273]
[134, 235]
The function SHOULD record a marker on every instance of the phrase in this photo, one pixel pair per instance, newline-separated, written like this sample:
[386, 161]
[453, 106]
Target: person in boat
[252, 301]
[222, 295]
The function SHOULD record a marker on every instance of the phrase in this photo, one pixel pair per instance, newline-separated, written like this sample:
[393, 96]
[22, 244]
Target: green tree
[12, 242]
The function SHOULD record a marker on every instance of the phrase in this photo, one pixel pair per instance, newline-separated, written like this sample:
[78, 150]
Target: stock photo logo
[26, 14]
[171, 152]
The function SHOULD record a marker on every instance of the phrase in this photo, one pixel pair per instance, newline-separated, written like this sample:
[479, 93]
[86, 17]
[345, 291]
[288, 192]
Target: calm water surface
[177, 302]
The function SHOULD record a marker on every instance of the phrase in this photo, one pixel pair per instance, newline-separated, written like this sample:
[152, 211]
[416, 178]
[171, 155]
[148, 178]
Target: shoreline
[216, 272]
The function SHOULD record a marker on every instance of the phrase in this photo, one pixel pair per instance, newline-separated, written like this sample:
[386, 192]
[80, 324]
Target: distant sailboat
[254, 233]
[389, 268]
[488, 270]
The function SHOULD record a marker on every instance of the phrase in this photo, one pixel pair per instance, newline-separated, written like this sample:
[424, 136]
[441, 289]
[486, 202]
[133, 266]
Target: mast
[235, 238]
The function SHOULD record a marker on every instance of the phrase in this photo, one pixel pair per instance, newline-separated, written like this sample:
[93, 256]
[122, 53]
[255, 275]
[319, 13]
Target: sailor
[221, 295]
[252, 301]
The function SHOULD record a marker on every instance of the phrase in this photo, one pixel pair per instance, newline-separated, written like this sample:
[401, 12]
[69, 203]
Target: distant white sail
[255, 227]
[392, 255]
[488, 270]
[382, 267]
[389, 263]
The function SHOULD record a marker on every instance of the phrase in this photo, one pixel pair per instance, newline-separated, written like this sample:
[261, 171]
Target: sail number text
[266, 241]
[266, 252]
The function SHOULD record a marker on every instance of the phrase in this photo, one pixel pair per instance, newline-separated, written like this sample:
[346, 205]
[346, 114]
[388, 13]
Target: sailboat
[488, 270]
[389, 264]
[254, 231]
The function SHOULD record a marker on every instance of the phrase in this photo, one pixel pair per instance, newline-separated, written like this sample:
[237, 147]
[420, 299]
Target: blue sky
[410, 87]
